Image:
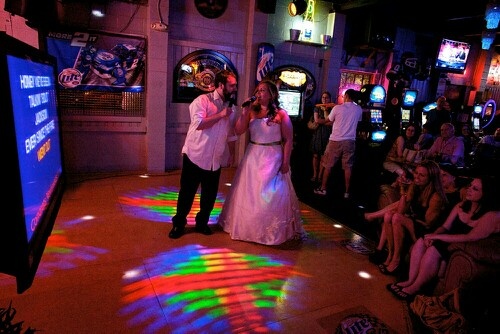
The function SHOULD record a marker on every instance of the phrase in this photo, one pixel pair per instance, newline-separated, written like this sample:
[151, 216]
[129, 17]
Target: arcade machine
[407, 107]
[482, 115]
[373, 103]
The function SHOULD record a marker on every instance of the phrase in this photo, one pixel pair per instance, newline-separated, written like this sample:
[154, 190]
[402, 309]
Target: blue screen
[409, 98]
[377, 94]
[375, 116]
[378, 136]
[34, 104]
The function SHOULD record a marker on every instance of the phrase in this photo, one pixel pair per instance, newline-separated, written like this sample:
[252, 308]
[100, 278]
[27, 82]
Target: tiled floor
[109, 267]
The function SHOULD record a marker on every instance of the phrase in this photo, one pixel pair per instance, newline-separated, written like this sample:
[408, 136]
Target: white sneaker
[320, 191]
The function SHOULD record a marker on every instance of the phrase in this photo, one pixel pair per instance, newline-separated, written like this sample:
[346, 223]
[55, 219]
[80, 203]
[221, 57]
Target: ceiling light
[487, 39]
[98, 10]
[492, 16]
[297, 7]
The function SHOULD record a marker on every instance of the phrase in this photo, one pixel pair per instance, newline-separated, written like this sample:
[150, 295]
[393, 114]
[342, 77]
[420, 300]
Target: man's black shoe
[176, 232]
[203, 230]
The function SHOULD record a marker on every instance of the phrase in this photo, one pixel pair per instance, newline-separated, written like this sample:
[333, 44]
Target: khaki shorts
[336, 150]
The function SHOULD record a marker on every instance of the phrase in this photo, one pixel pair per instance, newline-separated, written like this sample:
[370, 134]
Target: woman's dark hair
[325, 93]
[410, 142]
[489, 199]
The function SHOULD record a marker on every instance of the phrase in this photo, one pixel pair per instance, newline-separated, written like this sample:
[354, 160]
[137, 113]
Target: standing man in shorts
[342, 142]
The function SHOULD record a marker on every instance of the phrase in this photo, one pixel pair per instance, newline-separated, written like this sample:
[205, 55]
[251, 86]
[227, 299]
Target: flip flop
[385, 271]
[393, 287]
[401, 295]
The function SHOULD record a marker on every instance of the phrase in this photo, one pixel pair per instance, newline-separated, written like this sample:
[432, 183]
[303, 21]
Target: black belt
[266, 144]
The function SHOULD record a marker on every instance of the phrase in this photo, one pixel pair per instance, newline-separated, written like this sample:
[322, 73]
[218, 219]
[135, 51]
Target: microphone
[247, 102]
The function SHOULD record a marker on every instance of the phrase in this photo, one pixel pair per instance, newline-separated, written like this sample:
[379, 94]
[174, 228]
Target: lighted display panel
[405, 115]
[30, 133]
[376, 116]
[291, 101]
[409, 98]
[452, 56]
[373, 95]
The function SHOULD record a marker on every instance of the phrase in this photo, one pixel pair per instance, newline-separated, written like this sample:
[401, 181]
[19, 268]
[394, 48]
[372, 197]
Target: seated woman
[418, 211]
[451, 187]
[475, 218]
[394, 160]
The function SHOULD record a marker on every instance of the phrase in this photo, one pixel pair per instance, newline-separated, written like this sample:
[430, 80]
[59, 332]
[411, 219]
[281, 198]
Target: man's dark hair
[353, 94]
[221, 77]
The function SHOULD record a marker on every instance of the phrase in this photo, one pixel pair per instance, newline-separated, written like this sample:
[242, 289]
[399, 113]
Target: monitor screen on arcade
[291, 101]
[373, 95]
[409, 98]
[475, 124]
[378, 136]
[375, 116]
[478, 109]
[405, 115]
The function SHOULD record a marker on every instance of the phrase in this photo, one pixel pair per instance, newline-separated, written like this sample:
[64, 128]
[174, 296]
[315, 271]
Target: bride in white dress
[262, 205]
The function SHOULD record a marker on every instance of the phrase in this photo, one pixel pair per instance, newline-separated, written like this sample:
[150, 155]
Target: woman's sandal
[393, 287]
[385, 271]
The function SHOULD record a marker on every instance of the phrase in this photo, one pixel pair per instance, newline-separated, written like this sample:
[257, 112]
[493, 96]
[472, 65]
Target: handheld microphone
[247, 102]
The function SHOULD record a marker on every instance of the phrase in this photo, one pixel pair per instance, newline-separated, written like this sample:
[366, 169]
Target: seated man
[493, 139]
[447, 148]
[486, 156]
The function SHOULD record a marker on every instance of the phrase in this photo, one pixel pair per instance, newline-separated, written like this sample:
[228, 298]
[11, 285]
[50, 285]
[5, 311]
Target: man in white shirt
[342, 141]
[447, 148]
[202, 153]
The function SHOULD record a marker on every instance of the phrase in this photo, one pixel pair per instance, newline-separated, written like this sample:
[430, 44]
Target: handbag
[312, 125]
[440, 313]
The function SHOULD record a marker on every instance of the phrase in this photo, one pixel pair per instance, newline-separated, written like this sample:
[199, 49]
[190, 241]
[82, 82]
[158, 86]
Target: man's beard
[227, 95]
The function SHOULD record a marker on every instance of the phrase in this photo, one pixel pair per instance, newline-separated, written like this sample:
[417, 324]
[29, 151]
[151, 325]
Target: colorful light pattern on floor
[209, 290]
[160, 204]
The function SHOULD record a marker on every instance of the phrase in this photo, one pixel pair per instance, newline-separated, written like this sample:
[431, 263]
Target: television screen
[409, 98]
[291, 101]
[375, 116]
[31, 139]
[452, 56]
[405, 115]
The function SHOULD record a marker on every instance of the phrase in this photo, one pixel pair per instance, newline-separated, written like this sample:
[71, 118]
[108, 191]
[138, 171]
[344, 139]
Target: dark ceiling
[448, 18]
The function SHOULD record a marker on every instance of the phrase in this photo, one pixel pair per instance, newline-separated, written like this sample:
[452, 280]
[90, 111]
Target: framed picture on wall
[195, 74]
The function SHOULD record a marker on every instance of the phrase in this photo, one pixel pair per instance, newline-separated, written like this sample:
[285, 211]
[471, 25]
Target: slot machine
[482, 115]
[372, 100]
[407, 107]
[477, 111]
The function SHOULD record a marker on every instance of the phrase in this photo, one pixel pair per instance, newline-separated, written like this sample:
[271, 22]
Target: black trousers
[192, 177]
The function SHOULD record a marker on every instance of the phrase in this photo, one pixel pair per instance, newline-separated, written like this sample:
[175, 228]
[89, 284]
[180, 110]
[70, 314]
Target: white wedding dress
[262, 205]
